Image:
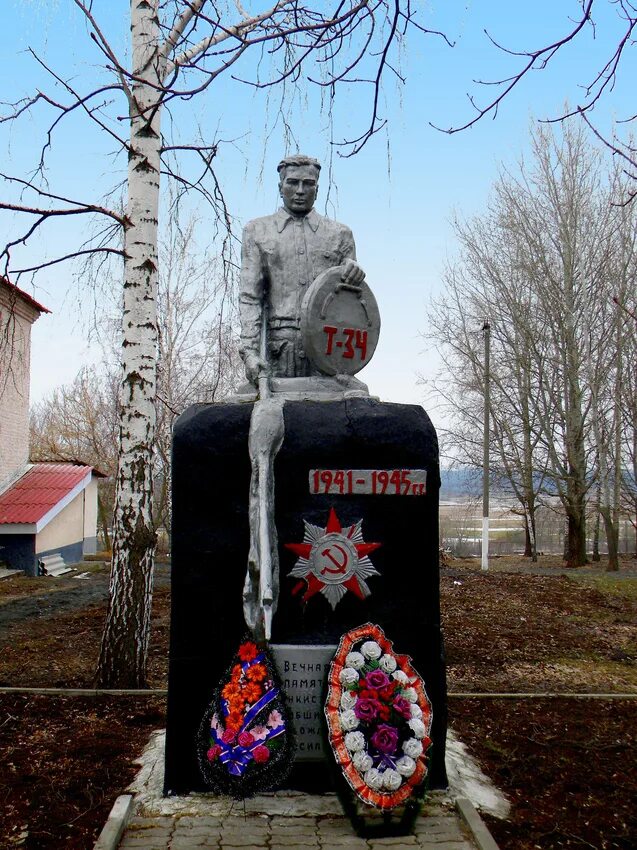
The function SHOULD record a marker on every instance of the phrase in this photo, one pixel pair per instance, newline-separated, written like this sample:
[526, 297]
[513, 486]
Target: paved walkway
[290, 819]
[440, 828]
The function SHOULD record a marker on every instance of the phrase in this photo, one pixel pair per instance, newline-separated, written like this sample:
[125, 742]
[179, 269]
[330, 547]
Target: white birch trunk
[124, 649]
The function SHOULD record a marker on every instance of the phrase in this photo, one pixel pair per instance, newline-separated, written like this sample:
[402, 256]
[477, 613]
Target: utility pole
[486, 330]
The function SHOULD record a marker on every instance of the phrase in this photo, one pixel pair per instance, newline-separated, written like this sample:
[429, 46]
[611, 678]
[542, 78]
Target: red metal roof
[39, 490]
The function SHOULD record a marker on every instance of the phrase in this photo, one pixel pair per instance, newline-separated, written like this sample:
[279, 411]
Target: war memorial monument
[306, 645]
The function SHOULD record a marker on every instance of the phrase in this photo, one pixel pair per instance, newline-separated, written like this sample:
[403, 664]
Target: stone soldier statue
[282, 254]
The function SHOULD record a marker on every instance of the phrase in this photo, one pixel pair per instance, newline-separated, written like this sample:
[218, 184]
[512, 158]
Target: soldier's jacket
[280, 257]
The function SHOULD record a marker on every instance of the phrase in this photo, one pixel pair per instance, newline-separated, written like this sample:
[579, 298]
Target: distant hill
[460, 483]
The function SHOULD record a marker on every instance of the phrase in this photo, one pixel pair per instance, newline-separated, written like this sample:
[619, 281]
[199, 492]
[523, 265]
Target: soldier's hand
[352, 273]
[255, 367]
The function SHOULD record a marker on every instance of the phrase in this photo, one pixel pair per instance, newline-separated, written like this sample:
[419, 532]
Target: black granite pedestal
[211, 475]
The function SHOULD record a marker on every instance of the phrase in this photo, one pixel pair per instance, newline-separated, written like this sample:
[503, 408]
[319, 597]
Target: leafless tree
[543, 264]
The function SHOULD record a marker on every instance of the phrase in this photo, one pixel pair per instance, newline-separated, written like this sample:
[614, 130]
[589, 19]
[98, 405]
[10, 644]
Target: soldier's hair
[295, 161]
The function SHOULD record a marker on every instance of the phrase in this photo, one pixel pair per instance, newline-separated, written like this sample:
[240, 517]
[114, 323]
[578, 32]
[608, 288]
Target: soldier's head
[298, 183]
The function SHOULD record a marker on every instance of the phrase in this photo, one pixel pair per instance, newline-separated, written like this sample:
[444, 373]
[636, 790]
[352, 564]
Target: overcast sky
[397, 195]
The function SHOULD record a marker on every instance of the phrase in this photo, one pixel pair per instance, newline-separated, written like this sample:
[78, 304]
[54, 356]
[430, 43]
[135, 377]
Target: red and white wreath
[379, 718]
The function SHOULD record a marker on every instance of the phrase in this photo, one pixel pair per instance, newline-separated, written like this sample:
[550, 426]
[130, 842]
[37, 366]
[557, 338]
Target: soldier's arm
[353, 274]
[251, 295]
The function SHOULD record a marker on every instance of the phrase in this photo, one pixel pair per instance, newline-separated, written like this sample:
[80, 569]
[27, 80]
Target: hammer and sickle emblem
[340, 567]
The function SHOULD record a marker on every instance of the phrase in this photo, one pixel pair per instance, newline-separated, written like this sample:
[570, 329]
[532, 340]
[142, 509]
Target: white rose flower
[416, 710]
[348, 720]
[362, 761]
[373, 778]
[387, 663]
[355, 741]
[417, 727]
[400, 677]
[348, 676]
[355, 660]
[410, 694]
[406, 765]
[392, 780]
[348, 700]
[412, 748]
[371, 650]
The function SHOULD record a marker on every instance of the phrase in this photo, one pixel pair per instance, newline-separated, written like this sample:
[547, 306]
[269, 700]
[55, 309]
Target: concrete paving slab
[286, 819]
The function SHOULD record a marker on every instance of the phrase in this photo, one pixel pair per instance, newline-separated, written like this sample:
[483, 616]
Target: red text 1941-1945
[374, 482]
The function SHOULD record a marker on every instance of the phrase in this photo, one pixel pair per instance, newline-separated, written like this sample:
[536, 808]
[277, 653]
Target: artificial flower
[367, 709]
[403, 707]
[401, 677]
[410, 694]
[371, 650]
[366, 693]
[259, 733]
[376, 680]
[349, 720]
[228, 736]
[256, 673]
[230, 690]
[244, 739]
[385, 738]
[275, 720]
[417, 727]
[373, 778]
[348, 676]
[252, 692]
[405, 766]
[248, 651]
[348, 700]
[260, 754]
[412, 748]
[387, 693]
[416, 710]
[387, 663]
[213, 752]
[355, 660]
[355, 741]
[362, 761]
[392, 780]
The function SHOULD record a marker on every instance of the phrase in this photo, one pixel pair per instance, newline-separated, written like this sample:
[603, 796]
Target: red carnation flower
[228, 736]
[245, 739]
[260, 754]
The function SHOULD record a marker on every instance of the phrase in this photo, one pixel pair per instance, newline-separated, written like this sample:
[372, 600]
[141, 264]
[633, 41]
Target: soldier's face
[298, 188]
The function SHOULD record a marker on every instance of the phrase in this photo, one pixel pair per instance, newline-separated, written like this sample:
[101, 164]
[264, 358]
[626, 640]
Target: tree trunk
[530, 535]
[612, 540]
[124, 648]
[576, 537]
[596, 556]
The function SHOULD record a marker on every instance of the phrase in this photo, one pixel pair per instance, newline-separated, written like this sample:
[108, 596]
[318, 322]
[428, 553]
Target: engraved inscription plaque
[303, 670]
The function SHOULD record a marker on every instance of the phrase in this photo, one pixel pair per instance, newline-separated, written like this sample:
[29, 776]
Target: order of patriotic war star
[282, 254]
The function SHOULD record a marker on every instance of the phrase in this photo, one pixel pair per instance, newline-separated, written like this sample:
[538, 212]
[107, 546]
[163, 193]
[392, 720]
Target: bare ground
[568, 765]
